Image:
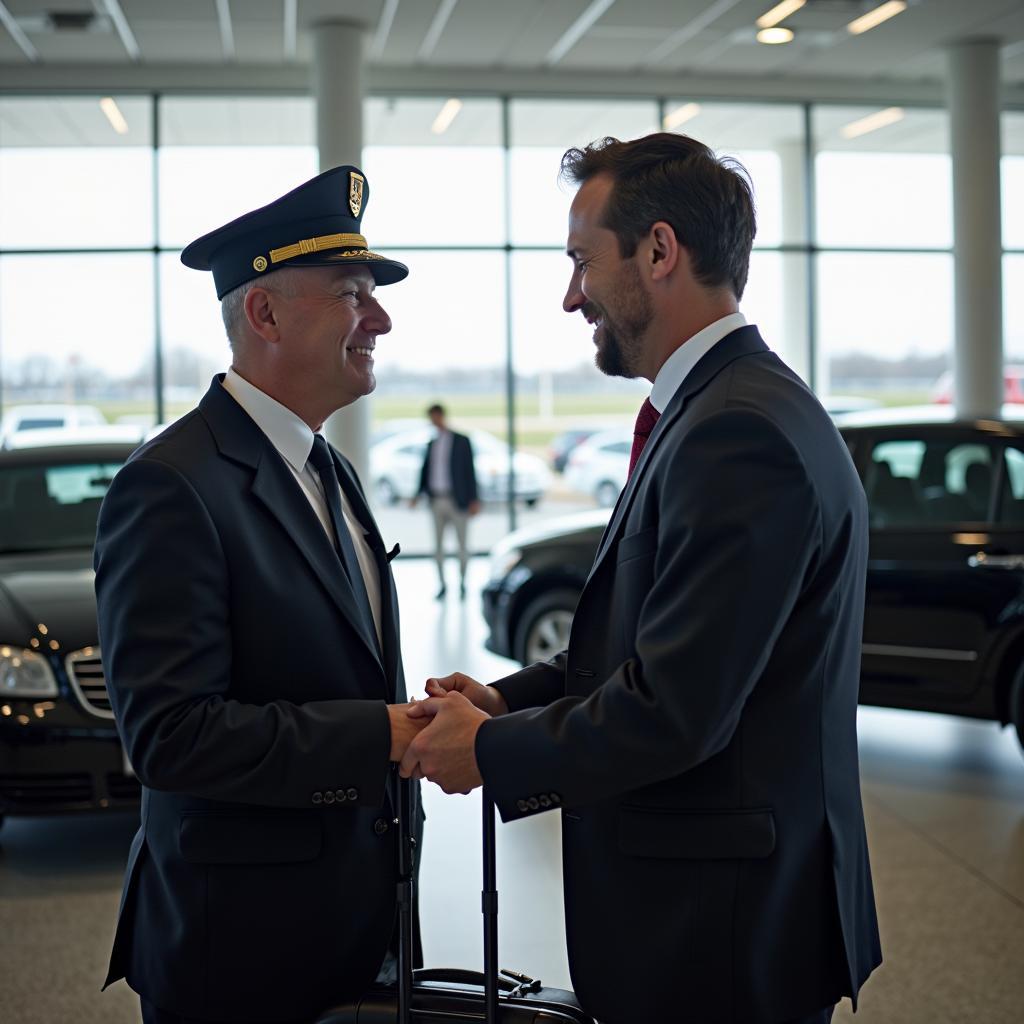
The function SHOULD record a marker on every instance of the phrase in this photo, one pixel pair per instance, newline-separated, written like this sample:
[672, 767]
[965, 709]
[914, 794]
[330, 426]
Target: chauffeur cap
[314, 225]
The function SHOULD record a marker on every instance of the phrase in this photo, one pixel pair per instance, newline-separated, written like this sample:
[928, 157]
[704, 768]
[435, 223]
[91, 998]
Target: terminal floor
[944, 800]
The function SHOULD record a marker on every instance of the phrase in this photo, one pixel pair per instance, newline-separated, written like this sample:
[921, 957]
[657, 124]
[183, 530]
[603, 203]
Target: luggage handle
[488, 904]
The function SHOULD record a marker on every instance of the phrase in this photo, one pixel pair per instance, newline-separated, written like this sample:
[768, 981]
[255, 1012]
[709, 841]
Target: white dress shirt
[675, 369]
[293, 440]
[439, 472]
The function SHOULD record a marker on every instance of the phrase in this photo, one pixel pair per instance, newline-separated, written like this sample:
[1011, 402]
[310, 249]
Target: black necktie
[320, 456]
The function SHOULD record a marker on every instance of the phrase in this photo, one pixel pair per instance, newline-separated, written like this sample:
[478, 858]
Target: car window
[413, 449]
[52, 507]
[1011, 505]
[617, 447]
[39, 424]
[911, 482]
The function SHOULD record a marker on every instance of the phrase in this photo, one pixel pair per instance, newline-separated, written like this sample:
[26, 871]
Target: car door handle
[983, 560]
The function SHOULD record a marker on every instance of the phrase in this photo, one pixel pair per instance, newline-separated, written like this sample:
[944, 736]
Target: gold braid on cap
[307, 245]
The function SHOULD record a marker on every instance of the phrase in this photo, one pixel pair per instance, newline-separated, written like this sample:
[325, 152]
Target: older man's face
[330, 327]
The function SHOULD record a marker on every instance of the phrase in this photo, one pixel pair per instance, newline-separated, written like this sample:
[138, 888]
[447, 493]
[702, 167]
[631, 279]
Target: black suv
[59, 749]
[944, 618]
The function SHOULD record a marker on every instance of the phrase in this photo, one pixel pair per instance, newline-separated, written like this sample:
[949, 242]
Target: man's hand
[474, 507]
[414, 500]
[486, 698]
[444, 751]
[403, 728]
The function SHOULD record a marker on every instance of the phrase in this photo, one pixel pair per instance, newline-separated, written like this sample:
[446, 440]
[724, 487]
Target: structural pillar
[338, 90]
[977, 230]
[795, 268]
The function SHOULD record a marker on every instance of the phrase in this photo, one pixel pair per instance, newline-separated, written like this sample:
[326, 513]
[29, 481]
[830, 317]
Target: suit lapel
[742, 342]
[274, 486]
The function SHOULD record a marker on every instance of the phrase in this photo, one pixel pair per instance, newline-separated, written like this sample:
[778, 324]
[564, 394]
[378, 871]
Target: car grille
[85, 670]
[37, 790]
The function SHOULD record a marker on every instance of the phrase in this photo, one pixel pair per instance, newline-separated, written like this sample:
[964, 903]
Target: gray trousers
[445, 512]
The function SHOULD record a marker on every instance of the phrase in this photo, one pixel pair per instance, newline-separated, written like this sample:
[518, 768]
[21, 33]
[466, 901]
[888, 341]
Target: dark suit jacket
[464, 490]
[699, 733]
[250, 697]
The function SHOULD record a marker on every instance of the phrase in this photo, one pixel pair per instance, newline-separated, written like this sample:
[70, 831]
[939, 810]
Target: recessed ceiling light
[114, 115]
[775, 36]
[874, 18]
[779, 13]
[445, 116]
[674, 118]
[871, 123]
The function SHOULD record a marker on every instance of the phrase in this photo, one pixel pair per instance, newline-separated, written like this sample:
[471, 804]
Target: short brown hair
[708, 200]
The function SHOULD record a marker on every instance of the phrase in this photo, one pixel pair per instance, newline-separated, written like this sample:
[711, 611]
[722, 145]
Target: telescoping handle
[489, 907]
[406, 880]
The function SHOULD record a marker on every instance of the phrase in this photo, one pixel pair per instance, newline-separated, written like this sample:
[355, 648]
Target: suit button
[329, 797]
[340, 796]
[522, 805]
[318, 798]
[533, 803]
[555, 798]
[545, 800]
[352, 794]
[380, 826]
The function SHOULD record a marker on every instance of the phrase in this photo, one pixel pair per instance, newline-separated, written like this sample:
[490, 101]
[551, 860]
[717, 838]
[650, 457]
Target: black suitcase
[443, 995]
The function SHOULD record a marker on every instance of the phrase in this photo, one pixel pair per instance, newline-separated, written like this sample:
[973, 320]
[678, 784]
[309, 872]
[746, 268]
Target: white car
[100, 433]
[21, 420]
[599, 466]
[397, 461]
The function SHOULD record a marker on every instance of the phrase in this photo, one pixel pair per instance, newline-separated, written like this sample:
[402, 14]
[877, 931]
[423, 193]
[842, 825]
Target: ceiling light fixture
[874, 18]
[775, 36]
[114, 115]
[674, 118]
[779, 13]
[445, 116]
[871, 123]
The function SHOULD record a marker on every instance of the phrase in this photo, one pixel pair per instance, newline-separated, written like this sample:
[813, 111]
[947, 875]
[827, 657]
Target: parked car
[21, 420]
[944, 619]
[1013, 386]
[59, 749]
[562, 444]
[100, 433]
[396, 463]
[599, 465]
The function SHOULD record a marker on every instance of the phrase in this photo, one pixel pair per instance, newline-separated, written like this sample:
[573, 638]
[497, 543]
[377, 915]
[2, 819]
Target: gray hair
[232, 306]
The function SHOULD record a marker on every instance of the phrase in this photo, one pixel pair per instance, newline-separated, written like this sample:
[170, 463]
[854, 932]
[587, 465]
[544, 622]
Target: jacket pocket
[643, 542]
[241, 839]
[697, 835]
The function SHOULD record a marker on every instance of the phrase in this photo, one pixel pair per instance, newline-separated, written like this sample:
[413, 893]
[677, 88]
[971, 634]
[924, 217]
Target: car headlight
[23, 673]
[503, 562]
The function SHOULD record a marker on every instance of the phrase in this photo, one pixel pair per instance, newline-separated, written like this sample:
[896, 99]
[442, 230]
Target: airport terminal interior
[885, 145]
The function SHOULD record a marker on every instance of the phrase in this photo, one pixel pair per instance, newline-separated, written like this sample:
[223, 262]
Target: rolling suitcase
[443, 995]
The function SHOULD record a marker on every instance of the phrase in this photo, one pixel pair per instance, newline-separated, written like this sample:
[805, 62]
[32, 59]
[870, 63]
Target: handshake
[435, 738]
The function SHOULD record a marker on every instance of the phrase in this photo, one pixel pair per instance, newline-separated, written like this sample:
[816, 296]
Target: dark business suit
[699, 732]
[250, 696]
[463, 473]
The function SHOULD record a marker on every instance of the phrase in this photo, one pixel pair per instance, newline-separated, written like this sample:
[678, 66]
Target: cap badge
[355, 192]
[259, 264]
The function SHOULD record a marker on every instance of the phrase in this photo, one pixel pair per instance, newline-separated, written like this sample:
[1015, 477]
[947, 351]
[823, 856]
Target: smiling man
[249, 627]
[699, 734]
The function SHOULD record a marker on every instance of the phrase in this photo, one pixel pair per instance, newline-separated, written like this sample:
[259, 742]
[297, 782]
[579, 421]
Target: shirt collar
[289, 434]
[675, 369]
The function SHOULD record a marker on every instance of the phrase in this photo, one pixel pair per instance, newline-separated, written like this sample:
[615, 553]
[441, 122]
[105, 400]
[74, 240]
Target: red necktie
[646, 418]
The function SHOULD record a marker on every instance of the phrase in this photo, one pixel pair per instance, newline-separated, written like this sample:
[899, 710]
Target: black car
[944, 615]
[59, 750]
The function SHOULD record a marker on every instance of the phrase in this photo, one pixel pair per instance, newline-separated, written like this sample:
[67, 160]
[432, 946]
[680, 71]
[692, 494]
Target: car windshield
[51, 508]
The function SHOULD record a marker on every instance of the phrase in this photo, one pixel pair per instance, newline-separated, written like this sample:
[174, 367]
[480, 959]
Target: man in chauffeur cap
[250, 637]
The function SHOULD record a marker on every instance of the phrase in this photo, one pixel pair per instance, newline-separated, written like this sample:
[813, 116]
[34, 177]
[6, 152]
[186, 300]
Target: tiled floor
[945, 807]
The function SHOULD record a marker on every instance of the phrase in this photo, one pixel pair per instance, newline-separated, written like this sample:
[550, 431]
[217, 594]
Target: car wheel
[385, 491]
[606, 493]
[543, 627]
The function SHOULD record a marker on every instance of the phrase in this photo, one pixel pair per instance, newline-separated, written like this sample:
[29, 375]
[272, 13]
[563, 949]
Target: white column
[338, 89]
[977, 246]
[795, 350]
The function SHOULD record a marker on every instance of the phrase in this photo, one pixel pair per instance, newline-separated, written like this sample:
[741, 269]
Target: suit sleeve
[734, 544]
[470, 469]
[535, 686]
[163, 591]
